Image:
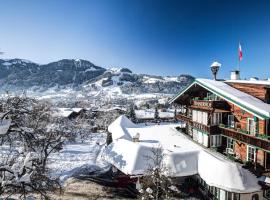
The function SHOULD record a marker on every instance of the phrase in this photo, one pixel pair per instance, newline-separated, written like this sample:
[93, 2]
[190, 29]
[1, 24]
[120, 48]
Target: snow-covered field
[74, 157]
[78, 156]
[150, 114]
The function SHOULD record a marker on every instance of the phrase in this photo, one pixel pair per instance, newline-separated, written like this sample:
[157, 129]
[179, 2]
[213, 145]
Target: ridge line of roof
[244, 107]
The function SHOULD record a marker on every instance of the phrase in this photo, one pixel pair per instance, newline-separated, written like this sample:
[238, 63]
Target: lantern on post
[214, 68]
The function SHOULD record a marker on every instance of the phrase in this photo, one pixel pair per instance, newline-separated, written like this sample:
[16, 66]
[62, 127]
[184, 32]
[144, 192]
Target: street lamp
[214, 68]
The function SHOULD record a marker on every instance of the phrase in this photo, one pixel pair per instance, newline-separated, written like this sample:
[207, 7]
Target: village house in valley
[222, 141]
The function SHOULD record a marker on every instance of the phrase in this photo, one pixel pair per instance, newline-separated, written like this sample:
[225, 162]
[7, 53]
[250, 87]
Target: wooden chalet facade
[229, 117]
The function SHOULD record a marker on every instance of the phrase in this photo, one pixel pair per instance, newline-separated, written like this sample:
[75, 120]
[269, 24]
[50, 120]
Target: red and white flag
[240, 52]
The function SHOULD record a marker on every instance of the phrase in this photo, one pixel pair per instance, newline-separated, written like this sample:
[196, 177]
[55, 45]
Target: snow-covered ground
[77, 156]
[74, 157]
[150, 114]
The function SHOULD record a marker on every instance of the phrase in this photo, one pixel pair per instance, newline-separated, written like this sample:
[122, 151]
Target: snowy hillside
[80, 79]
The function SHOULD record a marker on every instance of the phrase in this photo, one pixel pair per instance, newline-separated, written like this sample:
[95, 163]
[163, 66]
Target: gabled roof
[243, 100]
[118, 128]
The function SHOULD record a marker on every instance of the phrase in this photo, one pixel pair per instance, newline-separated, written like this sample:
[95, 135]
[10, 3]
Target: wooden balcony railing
[209, 129]
[183, 117]
[209, 103]
[260, 141]
[199, 126]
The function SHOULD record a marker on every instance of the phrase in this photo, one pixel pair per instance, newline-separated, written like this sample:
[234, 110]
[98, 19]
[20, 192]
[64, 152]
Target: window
[214, 191]
[194, 115]
[215, 140]
[231, 121]
[266, 193]
[216, 118]
[251, 126]
[205, 118]
[195, 135]
[230, 143]
[232, 196]
[200, 117]
[251, 153]
[255, 197]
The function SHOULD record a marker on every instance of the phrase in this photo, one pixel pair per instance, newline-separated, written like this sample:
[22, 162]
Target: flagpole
[238, 66]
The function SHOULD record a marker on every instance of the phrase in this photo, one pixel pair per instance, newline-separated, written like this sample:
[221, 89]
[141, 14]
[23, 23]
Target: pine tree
[109, 138]
[156, 114]
[132, 114]
[175, 114]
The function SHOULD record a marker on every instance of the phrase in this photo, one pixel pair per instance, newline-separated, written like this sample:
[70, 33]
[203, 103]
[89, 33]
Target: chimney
[235, 75]
[214, 68]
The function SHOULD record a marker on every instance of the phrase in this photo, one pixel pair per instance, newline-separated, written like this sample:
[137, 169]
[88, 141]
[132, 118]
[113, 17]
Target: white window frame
[232, 196]
[252, 132]
[231, 122]
[216, 140]
[249, 147]
[230, 143]
[216, 118]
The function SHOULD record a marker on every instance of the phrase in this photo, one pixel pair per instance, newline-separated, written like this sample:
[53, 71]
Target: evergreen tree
[175, 114]
[109, 138]
[156, 113]
[132, 114]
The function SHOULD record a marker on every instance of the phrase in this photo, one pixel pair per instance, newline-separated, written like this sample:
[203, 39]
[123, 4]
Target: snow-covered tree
[109, 138]
[32, 139]
[131, 114]
[155, 184]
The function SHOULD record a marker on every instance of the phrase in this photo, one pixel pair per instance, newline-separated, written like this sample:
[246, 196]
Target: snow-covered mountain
[68, 77]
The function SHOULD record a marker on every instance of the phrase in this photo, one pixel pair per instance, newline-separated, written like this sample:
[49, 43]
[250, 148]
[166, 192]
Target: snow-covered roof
[119, 126]
[237, 97]
[258, 82]
[66, 112]
[183, 157]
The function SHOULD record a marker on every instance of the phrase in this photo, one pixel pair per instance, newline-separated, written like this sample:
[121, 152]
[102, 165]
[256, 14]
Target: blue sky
[147, 36]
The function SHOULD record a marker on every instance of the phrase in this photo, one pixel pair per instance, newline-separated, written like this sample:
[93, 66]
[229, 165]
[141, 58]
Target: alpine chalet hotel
[230, 117]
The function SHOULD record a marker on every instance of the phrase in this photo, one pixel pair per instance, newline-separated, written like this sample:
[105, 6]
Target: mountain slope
[25, 74]
[82, 78]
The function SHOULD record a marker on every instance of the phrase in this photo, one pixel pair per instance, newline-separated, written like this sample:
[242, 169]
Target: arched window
[255, 197]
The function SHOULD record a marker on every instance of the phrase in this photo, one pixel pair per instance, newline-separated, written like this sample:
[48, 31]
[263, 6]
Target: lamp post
[214, 68]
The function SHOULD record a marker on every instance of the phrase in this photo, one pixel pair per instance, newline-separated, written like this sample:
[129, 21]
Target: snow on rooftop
[66, 112]
[259, 82]
[236, 95]
[119, 128]
[183, 156]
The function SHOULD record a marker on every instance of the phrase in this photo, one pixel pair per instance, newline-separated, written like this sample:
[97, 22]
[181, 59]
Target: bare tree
[155, 184]
[31, 133]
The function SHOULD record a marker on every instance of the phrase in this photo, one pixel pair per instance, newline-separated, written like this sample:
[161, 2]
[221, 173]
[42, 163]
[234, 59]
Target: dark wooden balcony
[209, 104]
[183, 117]
[258, 141]
[209, 129]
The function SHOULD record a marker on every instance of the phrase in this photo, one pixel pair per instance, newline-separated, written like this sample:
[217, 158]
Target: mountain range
[82, 75]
